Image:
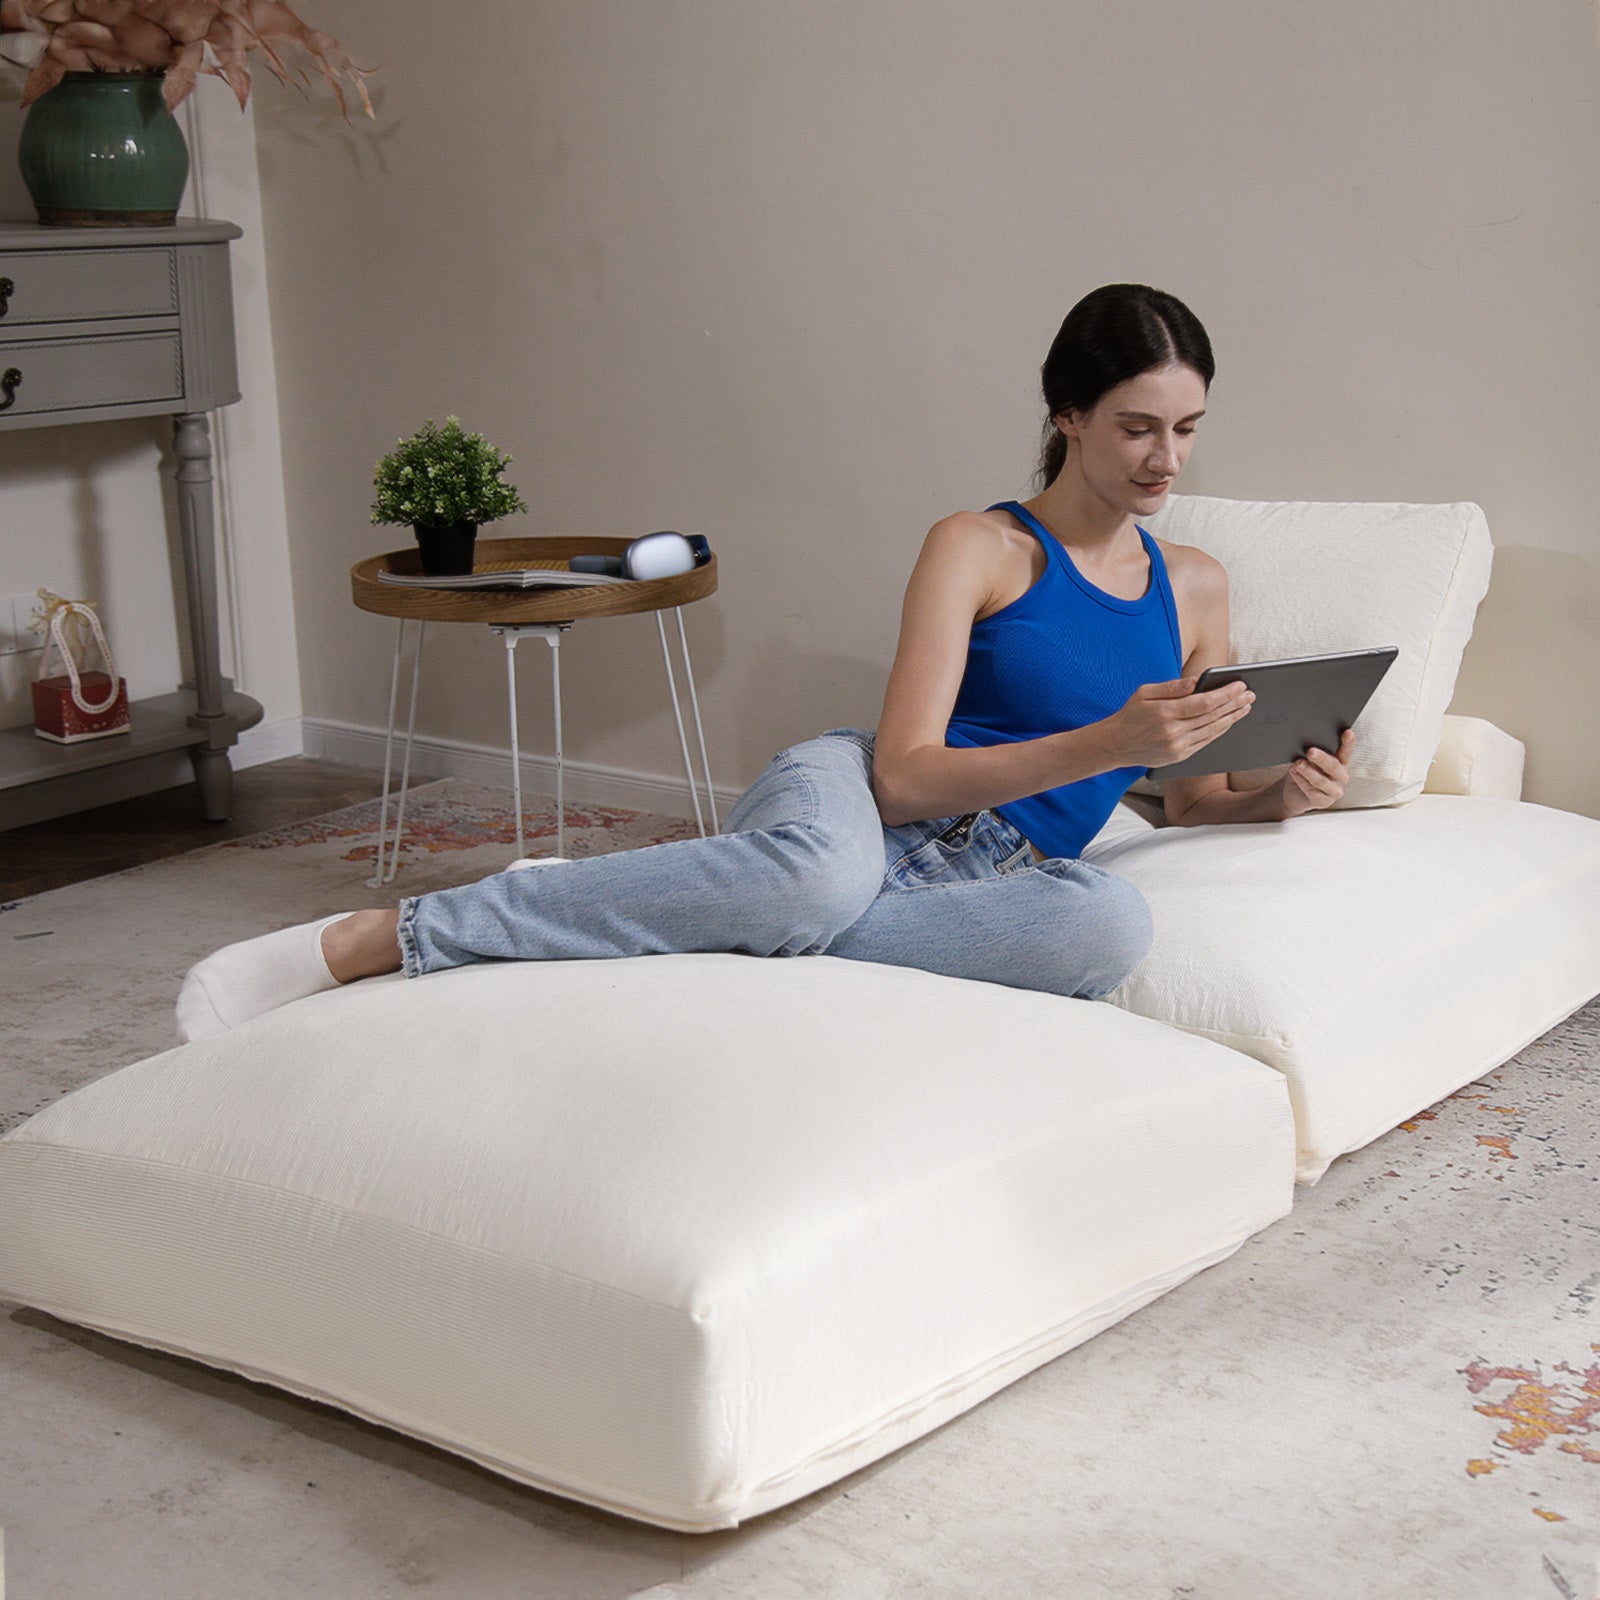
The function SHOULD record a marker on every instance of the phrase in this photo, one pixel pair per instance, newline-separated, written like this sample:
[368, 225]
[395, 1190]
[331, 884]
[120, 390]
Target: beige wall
[785, 274]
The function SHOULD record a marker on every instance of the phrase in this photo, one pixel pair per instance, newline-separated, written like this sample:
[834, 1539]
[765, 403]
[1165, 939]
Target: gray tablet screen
[1307, 701]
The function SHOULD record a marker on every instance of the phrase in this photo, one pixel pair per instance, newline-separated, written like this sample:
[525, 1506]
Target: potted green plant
[444, 482]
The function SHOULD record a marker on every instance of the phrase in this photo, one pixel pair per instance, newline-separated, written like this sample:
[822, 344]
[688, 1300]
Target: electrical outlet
[16, 637]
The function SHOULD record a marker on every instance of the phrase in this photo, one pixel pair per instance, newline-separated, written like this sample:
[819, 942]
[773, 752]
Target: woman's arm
[1312, 783]
[963, 573]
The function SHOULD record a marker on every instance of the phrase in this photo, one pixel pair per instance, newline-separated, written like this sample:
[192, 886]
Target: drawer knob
[7, 289]
[9, 379]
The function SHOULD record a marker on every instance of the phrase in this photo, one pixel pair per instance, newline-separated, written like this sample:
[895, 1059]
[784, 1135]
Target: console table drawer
[66, 374]
[74, 285]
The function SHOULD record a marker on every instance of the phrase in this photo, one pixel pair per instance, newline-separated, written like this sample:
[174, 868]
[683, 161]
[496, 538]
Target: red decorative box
[57, 716]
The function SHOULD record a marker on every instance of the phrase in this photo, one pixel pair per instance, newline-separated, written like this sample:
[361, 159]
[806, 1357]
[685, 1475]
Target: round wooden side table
[514, 613]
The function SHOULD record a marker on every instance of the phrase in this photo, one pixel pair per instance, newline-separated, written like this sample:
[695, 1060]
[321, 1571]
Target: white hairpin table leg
[553, 639]
[551, 633]
[511, 635]
[699, 729]
[376, 880]
[382, 877]
[677, 712]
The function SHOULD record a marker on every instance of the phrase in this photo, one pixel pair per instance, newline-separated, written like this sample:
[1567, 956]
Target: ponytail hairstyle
[1111, 335]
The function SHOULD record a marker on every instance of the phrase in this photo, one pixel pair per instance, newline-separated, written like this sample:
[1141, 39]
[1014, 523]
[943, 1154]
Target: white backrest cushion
[1307, 577]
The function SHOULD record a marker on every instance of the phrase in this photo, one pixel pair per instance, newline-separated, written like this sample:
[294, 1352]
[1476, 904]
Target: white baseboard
[268, 741]
[586, 782]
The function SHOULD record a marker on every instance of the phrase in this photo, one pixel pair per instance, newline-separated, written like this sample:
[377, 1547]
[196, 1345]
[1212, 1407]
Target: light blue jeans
[806, 867]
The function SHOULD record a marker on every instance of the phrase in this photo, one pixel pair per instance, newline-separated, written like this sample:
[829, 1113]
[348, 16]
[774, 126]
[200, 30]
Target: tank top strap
[1052, 545]
[1163, 586]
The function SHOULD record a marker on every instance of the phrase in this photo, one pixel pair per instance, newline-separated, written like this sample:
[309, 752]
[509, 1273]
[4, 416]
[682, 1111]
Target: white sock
[240, 981]
[534, 861]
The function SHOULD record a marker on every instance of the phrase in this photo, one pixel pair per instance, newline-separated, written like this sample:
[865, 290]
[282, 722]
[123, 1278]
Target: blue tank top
[1061, 656]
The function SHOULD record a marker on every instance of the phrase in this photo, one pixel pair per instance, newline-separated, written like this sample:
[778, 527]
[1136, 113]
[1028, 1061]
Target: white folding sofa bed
[688, 1237]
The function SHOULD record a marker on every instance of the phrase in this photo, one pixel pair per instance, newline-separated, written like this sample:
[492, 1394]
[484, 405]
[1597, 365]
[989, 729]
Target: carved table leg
[197, 524]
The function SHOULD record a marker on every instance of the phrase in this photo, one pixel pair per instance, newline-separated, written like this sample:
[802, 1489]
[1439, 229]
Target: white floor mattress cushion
[1378, 959]
[686, 1237]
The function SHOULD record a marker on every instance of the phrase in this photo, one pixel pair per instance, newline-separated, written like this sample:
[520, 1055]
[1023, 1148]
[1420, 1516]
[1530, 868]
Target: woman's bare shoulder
[986, 533]
[976, 522]
[1193, 571]
[981, 559]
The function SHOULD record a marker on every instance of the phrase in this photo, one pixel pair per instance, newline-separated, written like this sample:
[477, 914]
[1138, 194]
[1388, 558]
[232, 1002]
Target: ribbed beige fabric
[1379, 959]
[683, 1236]
[1306, 577]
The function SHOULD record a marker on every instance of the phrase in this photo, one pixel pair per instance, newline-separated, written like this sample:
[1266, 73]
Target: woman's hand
[1317, 780]
[1166, 722]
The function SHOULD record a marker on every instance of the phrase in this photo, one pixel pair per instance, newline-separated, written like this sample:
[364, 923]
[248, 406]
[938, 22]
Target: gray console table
[131, 322]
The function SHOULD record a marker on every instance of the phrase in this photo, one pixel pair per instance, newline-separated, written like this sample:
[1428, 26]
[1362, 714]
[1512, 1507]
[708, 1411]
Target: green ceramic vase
[101, 149]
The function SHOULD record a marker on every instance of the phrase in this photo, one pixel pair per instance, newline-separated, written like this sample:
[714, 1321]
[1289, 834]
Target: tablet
[1309, 700]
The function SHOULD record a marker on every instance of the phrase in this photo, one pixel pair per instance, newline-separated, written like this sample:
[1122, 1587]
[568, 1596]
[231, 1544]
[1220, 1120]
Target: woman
[1048, 654]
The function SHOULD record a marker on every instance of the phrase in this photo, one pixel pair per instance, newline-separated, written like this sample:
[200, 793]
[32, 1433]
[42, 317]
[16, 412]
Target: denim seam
[949, 847]
[410, 952]
[979, 835]
[1035, 866]
[804, 782]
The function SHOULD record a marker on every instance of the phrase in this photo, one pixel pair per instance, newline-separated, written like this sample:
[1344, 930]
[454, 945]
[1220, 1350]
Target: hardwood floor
[89, 844]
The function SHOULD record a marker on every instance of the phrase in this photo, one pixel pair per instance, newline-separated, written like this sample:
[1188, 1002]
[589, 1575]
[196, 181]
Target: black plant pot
[446, 550]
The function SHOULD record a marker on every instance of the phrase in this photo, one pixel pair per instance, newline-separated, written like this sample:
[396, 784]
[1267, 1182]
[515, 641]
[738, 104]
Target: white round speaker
[659, 555]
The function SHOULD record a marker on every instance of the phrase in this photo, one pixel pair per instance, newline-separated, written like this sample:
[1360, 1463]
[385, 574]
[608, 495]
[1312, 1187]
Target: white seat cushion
[1307, 577]
[1378, 959]
[684, 1236]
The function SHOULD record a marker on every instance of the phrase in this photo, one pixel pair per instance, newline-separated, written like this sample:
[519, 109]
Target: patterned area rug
[1395, 1391]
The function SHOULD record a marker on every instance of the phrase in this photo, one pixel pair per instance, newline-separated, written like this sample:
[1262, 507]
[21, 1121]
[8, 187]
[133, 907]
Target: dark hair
[1111, 335]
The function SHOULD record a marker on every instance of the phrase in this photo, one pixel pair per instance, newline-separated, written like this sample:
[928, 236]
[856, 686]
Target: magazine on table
[511, 578]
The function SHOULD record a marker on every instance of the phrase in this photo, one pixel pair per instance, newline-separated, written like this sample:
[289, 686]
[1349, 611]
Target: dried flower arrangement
[441, 476]
[180, 38]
